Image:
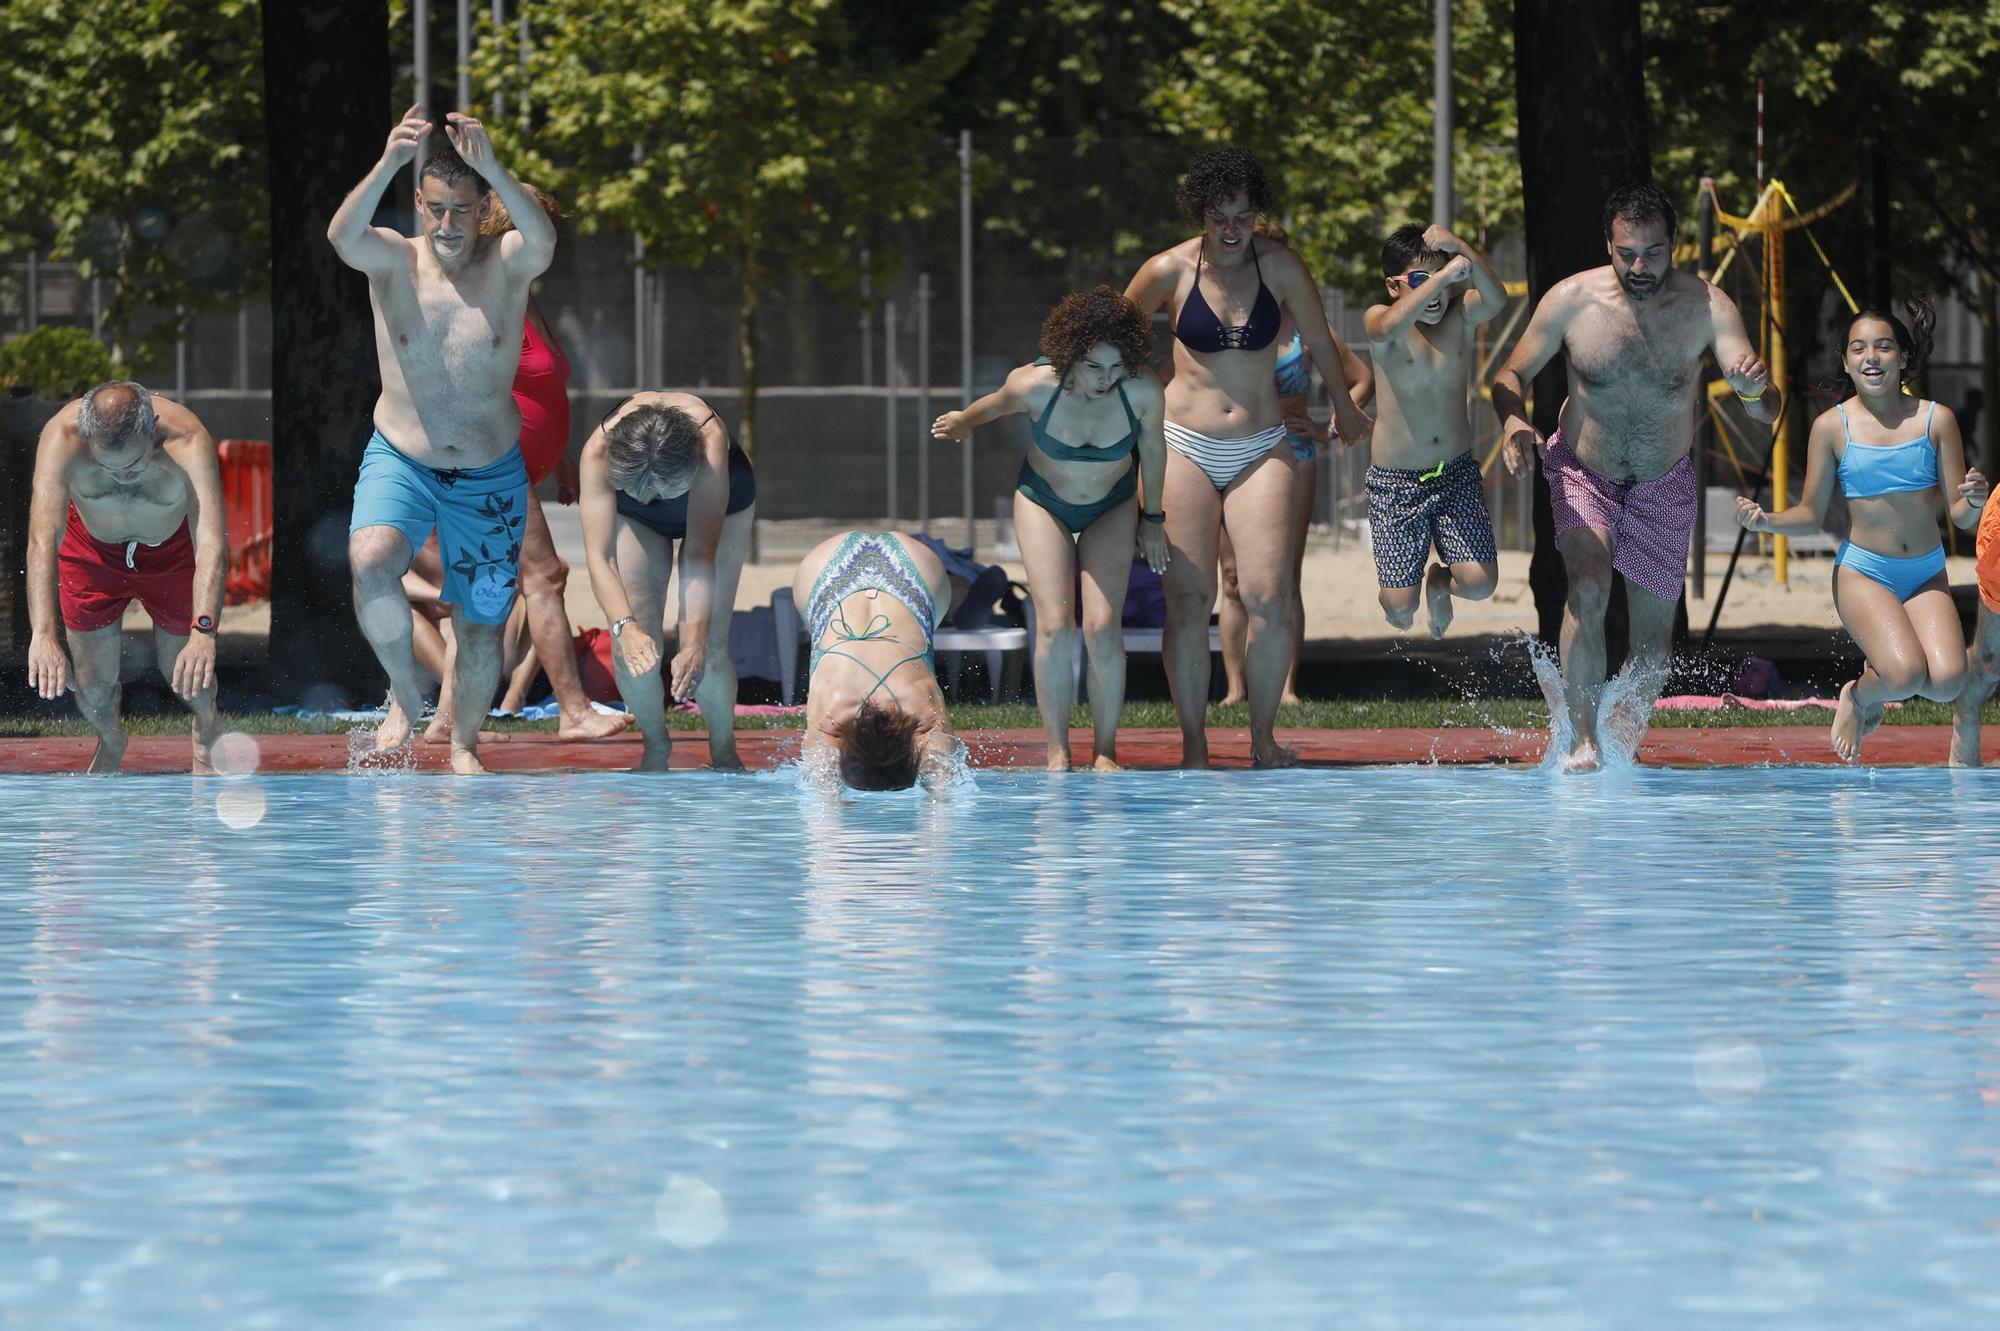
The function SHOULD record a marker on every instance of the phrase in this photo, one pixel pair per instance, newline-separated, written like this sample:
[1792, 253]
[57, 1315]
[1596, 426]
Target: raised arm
[1005, 400]
[597, 503]
[1738, 360]
[1538, 346]
[1387, 323]
[1822, 469]
[708, 504]
[189, 444]
[530, 247]
[1293, 284]
[1489, 294]
[359, 243]
[48, 510]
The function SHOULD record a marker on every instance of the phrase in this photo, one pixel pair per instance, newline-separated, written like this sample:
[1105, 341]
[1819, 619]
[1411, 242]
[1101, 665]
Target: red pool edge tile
[1892, 746]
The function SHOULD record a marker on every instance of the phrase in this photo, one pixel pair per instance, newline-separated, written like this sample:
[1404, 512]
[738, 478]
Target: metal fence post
[923, 403]
[889, 400]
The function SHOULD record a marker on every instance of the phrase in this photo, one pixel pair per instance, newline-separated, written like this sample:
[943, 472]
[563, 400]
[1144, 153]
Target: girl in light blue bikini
[1893, 455]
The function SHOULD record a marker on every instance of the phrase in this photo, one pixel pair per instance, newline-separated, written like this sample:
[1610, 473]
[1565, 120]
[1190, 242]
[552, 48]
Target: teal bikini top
[1063, 452]
[1868, 470]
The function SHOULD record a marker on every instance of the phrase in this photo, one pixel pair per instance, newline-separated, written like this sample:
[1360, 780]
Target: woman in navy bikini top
[1229, 465]
[1892, 456]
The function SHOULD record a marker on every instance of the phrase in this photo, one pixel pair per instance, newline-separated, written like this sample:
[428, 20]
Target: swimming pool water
[1404, 1048]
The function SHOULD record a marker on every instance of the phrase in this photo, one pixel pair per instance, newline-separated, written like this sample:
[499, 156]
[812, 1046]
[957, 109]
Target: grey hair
[110, 426]
[661, 444]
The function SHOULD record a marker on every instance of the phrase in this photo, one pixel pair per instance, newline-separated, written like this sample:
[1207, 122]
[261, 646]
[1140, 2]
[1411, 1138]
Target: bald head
[118, 416]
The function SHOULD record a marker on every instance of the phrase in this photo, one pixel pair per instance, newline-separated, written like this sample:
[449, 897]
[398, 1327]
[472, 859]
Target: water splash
[364, 759]
[1624, 710]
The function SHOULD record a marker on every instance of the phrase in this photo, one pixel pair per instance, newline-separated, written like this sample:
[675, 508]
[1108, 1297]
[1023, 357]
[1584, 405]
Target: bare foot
[202, 764]
[1104, 762]
[1058, 760]
[1437, 598]
[1965, 741]
[1583, 757]
[592, 724]
[1871, 718]
[465, 762]
[1400, 619]
[725, 761]
[1846, 730]
[653, 760]
[1233, 698]
[1289, 699]
[1625, 722]
[1276, 755]
[439, 730]
[394, 732]
[109, 755]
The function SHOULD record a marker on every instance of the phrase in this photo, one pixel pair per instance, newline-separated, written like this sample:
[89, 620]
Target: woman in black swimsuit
[1228, 463]
[662, 468]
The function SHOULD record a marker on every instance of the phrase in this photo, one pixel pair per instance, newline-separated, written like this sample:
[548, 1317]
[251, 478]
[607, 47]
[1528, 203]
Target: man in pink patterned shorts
[1620, 478]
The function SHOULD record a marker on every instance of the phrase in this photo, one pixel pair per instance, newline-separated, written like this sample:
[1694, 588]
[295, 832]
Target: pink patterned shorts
[1649, 522]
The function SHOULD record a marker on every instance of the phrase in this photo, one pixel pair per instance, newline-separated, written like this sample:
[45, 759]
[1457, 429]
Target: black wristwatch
[205, 624]
[1159, 518]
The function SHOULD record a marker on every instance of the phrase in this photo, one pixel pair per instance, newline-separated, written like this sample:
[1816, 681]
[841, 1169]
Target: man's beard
[1637, 291]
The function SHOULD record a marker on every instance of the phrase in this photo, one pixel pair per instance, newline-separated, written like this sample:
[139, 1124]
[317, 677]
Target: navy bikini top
[1199, 330]
[1063, 452]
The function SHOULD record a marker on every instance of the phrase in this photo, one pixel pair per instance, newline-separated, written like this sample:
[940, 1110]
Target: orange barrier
[246, 502]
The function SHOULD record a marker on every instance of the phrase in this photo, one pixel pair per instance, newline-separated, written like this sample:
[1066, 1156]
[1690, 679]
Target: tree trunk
[1581, 92]
[746, 340]
[326, 112]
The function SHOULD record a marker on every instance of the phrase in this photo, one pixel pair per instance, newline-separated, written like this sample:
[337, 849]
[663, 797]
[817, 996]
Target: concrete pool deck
[1723, 746]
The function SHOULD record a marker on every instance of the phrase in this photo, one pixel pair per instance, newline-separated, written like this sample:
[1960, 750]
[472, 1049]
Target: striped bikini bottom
[1222, 459]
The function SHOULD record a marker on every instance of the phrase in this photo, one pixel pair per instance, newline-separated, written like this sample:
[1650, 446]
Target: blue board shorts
[479, 514]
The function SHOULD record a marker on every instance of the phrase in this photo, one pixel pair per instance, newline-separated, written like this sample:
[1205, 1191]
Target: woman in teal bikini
[1094, 406]
[1894, 455]
[874, 711]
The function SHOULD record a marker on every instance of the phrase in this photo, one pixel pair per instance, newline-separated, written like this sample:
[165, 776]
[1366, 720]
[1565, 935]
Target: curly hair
[499, 221]
[1913, 337]
[1220, 176]
[1081, 321]
[878, 749]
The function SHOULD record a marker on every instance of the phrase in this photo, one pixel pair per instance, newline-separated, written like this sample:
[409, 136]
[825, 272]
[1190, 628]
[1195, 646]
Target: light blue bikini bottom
[1904, 576]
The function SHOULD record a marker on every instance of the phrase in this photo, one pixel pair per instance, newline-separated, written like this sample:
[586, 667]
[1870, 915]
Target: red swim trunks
[99, 578]
[1989, 556]
[1649, 521]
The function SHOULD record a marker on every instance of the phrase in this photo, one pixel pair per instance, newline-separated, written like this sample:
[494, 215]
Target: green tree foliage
[55, 362]
[131, 140]
[1919, 78]
[1337, 100]
[1073, 161]
[730, 131]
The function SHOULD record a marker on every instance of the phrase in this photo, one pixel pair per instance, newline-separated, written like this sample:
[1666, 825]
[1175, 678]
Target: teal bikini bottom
[1077, 516]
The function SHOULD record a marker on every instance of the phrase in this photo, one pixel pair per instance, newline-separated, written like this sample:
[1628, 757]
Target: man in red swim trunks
[127, 506]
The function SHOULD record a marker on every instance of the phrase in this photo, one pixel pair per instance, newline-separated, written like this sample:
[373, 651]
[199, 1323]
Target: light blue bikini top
[1867, 470]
